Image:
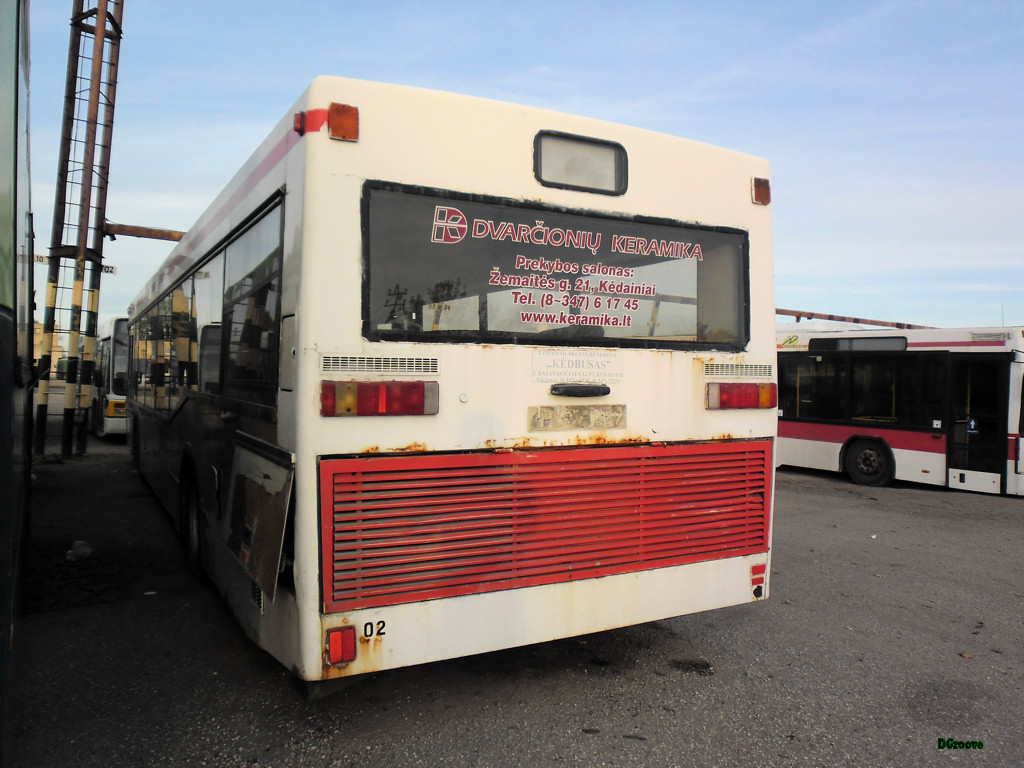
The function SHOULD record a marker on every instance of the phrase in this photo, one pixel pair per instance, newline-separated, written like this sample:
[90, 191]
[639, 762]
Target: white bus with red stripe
[438, 375]
[939, 406]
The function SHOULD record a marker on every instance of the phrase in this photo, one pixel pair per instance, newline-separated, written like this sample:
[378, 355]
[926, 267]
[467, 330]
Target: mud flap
[258, 497]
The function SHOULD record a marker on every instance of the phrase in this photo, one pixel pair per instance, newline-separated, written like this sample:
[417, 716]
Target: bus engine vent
[399, 529]
[735, 369]
[393, 365]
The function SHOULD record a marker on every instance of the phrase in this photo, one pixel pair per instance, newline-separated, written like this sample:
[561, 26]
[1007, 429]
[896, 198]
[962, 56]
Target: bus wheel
[193, 527]
[868, 462]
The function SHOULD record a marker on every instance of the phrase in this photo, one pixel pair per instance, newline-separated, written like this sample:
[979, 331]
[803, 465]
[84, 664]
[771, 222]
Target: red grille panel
[398, 529]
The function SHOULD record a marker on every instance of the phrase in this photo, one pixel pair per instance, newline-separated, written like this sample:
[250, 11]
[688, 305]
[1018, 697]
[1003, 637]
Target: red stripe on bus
[273, 157]
[906, 440]
[315, 120]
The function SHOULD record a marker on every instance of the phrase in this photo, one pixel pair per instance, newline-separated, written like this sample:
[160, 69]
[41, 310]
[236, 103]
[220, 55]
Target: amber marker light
[760, 191]
[343, 122]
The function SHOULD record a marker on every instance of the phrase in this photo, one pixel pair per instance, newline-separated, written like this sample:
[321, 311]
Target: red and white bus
[937, 406]
[438, 375]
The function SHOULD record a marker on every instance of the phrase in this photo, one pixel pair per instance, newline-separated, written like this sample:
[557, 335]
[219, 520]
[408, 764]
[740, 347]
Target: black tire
[869, 462]
[193, 526]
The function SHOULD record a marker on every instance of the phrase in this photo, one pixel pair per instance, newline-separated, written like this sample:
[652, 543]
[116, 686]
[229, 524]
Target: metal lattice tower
[76, 244]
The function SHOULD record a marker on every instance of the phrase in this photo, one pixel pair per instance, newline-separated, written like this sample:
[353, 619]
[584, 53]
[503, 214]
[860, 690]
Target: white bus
[110, 383]
[937, 406]
[438, 375]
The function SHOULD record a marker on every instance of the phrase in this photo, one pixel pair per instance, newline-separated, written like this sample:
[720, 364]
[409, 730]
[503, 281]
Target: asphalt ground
[894, 621]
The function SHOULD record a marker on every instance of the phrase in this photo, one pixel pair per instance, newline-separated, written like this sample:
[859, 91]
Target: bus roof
[982, 339]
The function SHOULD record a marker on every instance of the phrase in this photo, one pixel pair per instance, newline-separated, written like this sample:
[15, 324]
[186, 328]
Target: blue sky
[895, 130]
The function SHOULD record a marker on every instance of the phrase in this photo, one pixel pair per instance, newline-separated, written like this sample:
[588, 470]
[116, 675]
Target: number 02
[372, 630]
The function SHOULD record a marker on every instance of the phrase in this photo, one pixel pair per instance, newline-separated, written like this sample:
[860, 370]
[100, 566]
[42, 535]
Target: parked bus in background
[438, 375]
[938, 406]
[107, 412]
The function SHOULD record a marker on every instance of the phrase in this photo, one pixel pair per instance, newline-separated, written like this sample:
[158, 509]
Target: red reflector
[368, 399]
[405, 398]
[724, 396]
[341, 645]
[328, 399]
[758, 570]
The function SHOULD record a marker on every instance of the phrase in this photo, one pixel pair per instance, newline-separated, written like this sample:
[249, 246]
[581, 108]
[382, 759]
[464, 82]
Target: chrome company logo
[450, 225]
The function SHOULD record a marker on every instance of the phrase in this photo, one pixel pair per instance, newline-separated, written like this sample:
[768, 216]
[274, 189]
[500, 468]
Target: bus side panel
[149, 436]
[812, 454]
[920, 466]
[919, 456]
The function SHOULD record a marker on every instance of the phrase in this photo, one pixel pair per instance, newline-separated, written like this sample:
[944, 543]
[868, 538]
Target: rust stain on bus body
[525, 442]
[412, 448]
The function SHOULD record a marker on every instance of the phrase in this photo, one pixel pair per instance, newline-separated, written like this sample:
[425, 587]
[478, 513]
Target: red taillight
[341, 645]
[378, 398]
[727, 396]
[328, 399]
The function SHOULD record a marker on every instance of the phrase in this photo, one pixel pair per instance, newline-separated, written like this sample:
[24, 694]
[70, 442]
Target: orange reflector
[378, 398]
[728, 396]
[343, 122]
[761, 191]
[341, 645]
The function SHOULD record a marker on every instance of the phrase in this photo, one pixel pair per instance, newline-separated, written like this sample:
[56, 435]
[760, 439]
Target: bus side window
[179, 327]
[209, 358]
[207, 305]
[147, 345]
[166, 386]
[252, 311]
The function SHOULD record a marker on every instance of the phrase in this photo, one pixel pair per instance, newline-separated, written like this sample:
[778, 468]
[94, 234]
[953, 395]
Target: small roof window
[580, 163]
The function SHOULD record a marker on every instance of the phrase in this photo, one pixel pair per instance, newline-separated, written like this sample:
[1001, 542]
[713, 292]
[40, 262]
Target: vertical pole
[88, 356]
[96, 268]
[46, 361]
[84, 214]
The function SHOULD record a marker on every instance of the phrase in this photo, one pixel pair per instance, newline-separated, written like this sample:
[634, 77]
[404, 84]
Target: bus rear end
[541, 354]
